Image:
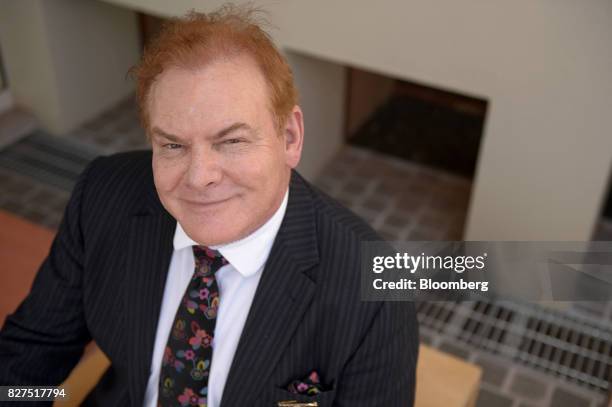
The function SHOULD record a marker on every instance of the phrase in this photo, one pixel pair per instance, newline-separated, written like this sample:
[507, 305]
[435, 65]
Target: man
[208, 271]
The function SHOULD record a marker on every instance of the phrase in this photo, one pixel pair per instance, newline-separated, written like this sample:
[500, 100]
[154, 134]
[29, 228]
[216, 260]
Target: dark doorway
[414, 122]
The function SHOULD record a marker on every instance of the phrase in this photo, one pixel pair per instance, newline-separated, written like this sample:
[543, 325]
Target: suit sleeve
[44, 338]
[382, 371]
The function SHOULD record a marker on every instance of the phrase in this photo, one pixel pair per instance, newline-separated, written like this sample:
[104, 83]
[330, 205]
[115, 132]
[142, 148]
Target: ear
[294, 136]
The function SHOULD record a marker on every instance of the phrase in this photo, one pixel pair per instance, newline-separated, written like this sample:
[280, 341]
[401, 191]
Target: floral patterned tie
[183, 379]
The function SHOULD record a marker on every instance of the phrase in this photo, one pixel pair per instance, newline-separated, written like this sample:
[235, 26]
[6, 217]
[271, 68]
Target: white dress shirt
[237, 283]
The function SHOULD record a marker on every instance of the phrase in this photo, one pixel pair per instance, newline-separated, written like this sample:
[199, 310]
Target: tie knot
[205, 254]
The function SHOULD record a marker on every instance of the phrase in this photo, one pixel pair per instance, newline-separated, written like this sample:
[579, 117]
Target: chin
[211, 232]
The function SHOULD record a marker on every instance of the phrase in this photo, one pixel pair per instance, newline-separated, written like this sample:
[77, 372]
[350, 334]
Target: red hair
[197, 39]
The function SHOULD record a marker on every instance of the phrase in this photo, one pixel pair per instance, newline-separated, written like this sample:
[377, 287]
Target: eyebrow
[220, 134]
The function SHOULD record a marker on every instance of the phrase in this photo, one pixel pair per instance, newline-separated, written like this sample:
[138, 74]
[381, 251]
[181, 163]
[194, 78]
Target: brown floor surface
[23, 246]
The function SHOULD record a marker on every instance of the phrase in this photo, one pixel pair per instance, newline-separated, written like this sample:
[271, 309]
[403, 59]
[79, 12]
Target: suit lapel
[151, 231]
[284, 292]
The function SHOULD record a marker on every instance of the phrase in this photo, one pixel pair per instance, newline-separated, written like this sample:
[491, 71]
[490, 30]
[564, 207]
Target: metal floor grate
[489, 326]
[49, 159]
[573, 348]
[568, 349]
[435, 315]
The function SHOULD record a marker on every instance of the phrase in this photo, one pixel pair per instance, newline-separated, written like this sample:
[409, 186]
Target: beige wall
[545, 67]
[321, 86]
[66, 59]
[27, 58]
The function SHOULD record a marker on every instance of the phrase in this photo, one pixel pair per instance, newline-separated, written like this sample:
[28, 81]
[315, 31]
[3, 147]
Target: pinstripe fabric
[306, 314]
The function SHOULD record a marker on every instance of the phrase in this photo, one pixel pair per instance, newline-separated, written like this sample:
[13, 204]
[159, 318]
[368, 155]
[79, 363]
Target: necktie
[188, 353]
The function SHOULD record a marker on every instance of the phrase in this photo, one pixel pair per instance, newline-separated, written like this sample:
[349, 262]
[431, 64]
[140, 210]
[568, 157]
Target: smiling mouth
[206, 204]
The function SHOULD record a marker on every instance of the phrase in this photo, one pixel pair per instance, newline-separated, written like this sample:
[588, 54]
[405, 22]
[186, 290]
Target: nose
[205, 169]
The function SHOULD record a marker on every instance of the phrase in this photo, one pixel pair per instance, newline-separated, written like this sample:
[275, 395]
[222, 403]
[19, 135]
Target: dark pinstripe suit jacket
[104, 280]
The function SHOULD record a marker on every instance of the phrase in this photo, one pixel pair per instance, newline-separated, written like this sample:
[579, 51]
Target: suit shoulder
[127, 164]
[116, 181]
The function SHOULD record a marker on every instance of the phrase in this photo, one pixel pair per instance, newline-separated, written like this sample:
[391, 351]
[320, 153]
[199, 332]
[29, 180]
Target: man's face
[220, 167]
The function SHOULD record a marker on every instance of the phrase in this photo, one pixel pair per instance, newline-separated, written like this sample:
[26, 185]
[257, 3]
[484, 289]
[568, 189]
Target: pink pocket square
[310, 385]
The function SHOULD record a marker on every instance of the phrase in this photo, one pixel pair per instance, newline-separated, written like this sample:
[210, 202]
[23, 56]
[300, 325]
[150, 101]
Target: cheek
[260, 174]
[166, 176]
[247, 169]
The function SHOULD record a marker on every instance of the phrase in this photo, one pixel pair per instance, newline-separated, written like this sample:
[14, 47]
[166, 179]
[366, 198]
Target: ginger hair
[192, 41]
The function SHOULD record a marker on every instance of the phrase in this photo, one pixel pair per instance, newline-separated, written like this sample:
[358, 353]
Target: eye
[172, 146]
[233, 141]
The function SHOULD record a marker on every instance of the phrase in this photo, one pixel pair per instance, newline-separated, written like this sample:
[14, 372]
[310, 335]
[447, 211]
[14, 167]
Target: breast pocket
[276, 395]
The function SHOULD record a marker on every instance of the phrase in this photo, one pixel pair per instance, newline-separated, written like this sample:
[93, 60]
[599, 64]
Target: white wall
[321, 86]
[545, 66]
[66, 60]
[27, 57]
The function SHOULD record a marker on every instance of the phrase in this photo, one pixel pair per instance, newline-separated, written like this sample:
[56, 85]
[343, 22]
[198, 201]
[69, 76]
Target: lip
[206, 204]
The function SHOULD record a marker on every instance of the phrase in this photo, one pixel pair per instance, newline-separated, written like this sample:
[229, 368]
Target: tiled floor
[406, 201]
[32, 199]
[399, 199]
[114, 131]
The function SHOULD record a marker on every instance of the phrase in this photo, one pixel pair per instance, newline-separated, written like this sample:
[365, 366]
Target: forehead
[227, 89]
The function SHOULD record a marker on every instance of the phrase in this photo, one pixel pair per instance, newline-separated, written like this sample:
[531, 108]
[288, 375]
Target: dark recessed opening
[414, 122]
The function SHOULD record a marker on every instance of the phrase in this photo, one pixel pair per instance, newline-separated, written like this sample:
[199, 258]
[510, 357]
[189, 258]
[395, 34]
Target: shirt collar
[248, 254]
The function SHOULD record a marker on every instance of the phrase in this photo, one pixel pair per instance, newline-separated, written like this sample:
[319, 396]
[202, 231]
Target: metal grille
[435, 315]
[488, 326]
[575, 348]
[570, 349]
[53, 160]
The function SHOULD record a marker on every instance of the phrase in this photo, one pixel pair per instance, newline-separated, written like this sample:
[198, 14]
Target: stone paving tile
[116, 130]
[375, 203]
[32, 199]
[347, 200]
[11, 205]
[409, 202]
[326, 186]
[17, 189]
[395, 186]
[384, 191]
[399, 219]
[493, 371]
[35, 215]
[43, 196]
[390, 232]
[422, 233]
[564, 398]
[59, 204]
[489, 398]
[434, 219]
[52, 221]
[418, 189]
[354, 187]
[369, 216]
[528, 386]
